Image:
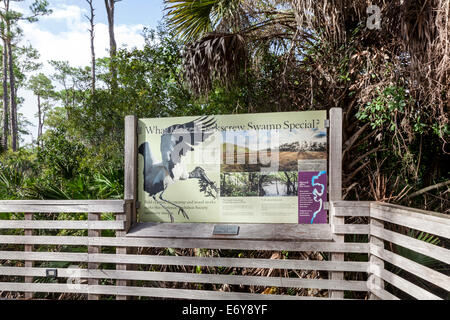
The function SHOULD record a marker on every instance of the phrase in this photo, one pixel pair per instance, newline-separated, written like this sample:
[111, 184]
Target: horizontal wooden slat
[404, 285]
[432, 223]
[349, 204]
[192, 278]
[351, 229]
[189, 243]
[350, 266]
[382, 294]
[352, 211]
[422, 247]
[57, 206]
[429, 215]
[62, 224]
[255, 245]
[430, 275]
[44, 256]
[193, 294]
[145, 292]
[46, 240]
[246, 231]
[181, 260]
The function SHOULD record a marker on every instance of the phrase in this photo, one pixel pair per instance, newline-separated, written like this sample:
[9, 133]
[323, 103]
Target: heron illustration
[176, 141]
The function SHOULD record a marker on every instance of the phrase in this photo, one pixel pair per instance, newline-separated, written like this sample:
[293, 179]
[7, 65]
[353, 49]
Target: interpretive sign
[232, 168]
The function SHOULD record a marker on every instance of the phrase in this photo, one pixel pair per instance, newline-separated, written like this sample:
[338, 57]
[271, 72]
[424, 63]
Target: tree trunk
[5, 94]
[42, 126]
[91, 31]
[12, 96]
[40, 121]
[289, 184]
[109, 4]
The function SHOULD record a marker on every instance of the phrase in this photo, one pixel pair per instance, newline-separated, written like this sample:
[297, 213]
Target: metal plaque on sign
[224, 229]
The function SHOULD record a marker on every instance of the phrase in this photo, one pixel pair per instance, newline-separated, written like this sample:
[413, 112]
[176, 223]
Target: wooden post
[28, 248]
[130, 192]
[372, 280]
[93, 249]
[123, 250]
[130, 161]
[335, 188]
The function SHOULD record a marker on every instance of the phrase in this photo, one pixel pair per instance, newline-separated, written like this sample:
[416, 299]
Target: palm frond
[192, 19]
[215, 57]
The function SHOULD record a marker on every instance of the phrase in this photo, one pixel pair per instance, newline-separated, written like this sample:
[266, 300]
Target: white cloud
[68, 13]
[72, 43]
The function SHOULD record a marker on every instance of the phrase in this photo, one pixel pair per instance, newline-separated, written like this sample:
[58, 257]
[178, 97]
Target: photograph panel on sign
[270, 150]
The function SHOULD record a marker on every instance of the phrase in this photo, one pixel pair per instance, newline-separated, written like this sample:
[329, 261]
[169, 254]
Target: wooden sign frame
[261, 231]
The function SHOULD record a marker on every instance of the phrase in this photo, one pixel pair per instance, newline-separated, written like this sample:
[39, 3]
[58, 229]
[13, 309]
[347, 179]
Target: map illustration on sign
[227, 168]
[312, 195]
[318, 195]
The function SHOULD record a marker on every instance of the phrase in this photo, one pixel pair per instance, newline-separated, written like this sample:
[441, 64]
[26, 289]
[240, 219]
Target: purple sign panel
[312, 195]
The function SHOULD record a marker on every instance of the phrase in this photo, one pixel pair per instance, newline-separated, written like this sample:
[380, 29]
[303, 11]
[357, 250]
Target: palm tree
[219, 34]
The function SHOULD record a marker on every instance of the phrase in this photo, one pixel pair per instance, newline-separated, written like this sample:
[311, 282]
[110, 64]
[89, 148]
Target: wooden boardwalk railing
[391, 223]
[378, 233]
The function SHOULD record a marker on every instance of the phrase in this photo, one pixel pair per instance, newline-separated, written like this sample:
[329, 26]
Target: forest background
[385, 63]
[387, 70]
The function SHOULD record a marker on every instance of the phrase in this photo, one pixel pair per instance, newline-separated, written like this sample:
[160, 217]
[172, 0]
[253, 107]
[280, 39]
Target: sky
[64, 35]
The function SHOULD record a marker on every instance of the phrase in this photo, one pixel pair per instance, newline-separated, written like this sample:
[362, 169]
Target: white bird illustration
[176, 141]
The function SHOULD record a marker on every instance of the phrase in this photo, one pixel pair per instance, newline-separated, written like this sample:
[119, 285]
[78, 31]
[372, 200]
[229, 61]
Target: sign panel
[312, 191]
[312, 195]
[227, 168]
